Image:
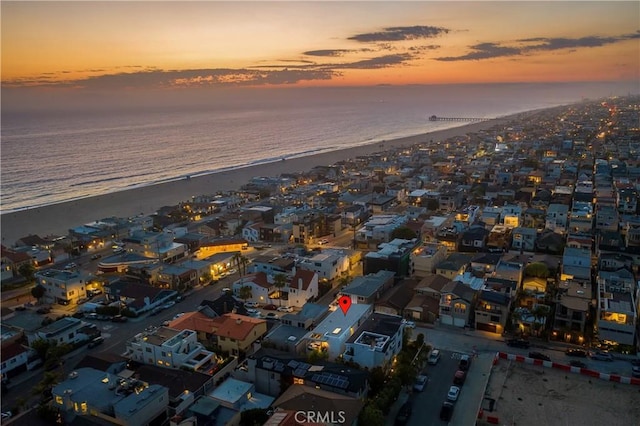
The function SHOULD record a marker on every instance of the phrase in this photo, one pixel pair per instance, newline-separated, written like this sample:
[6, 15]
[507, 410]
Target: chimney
[238, 321]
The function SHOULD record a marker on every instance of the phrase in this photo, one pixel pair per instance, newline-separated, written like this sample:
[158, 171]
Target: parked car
[252, 311]
[420, 383]
[119, 318]
[169, 304]
[96, 342]
[271, 315]
[446, 411]
[43, 310]
[576, 352]
[285, 309]
[434, 357]
[459, 377]
[270, 307]
[576, 363]
[226, 290]
[518, 343]
[404, 414]
[409, 324]
[602, 356]
[70, 266]
[96, 256]
[251, 304]
[465, 362]
[6, 415]
[454, 392]
[635, 371]
[539, 355]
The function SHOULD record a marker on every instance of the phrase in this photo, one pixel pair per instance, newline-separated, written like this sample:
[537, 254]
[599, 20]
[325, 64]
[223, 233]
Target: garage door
[486, 327]
[459, 322]
[446, 320]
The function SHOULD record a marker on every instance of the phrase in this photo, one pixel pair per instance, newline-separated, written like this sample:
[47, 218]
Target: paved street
[116, 336]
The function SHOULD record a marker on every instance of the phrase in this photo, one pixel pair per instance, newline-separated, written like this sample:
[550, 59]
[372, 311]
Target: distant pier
[436, 118]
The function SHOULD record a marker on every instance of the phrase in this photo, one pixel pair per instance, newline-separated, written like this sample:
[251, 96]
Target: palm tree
[539, 312]
[237, 260]
[245, 293]
[280, 281]
[244, 261]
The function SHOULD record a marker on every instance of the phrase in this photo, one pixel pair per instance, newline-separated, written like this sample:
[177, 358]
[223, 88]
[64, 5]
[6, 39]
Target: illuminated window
[249, 395]
[298, 381]
[337, 330]
[58, 400]
[83, 407]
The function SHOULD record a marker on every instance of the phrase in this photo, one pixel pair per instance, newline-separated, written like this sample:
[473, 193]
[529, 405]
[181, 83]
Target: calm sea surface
[53, 156]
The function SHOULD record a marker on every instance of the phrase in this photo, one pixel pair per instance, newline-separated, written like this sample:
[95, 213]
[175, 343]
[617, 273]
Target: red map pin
[345, 303]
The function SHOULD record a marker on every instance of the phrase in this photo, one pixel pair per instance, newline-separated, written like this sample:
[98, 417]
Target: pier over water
[436, 118]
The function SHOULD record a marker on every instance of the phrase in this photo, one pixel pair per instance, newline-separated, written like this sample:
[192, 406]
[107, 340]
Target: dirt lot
[533, 395]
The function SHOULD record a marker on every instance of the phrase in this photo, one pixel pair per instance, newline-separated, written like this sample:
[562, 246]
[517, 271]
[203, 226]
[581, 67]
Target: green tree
[41, 346]
[315, 356]
[38, 292]
[254, 417]
[245, 293]
[371, 415]
[540, 312]
[404, 233]
[419, 340]
[205, 278]
[536, 269]
[279, 282]
[377, 381]
[27, 271]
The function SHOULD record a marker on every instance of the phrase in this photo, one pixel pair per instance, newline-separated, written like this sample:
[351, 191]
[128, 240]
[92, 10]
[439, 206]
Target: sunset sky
[151, 45]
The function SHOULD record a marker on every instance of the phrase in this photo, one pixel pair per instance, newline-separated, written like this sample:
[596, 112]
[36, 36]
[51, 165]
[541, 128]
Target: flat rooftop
[160, 336]
[336, 324]
[231, 390]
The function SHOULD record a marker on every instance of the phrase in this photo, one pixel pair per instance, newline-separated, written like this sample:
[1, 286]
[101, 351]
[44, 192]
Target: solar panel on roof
[293, 363]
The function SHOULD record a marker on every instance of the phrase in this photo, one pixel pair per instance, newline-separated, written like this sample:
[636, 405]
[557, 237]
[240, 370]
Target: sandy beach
[57, 219]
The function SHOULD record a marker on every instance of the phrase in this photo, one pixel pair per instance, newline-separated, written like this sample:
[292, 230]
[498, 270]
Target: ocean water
[50, 156]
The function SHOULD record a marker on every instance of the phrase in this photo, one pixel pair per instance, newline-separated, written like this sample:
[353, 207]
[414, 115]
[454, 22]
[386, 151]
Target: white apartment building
[170, 348]
[376, 342]
[329, 264]
[63, 287]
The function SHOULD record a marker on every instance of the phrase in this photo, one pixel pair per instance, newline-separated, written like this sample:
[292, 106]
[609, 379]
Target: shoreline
[58, 218]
